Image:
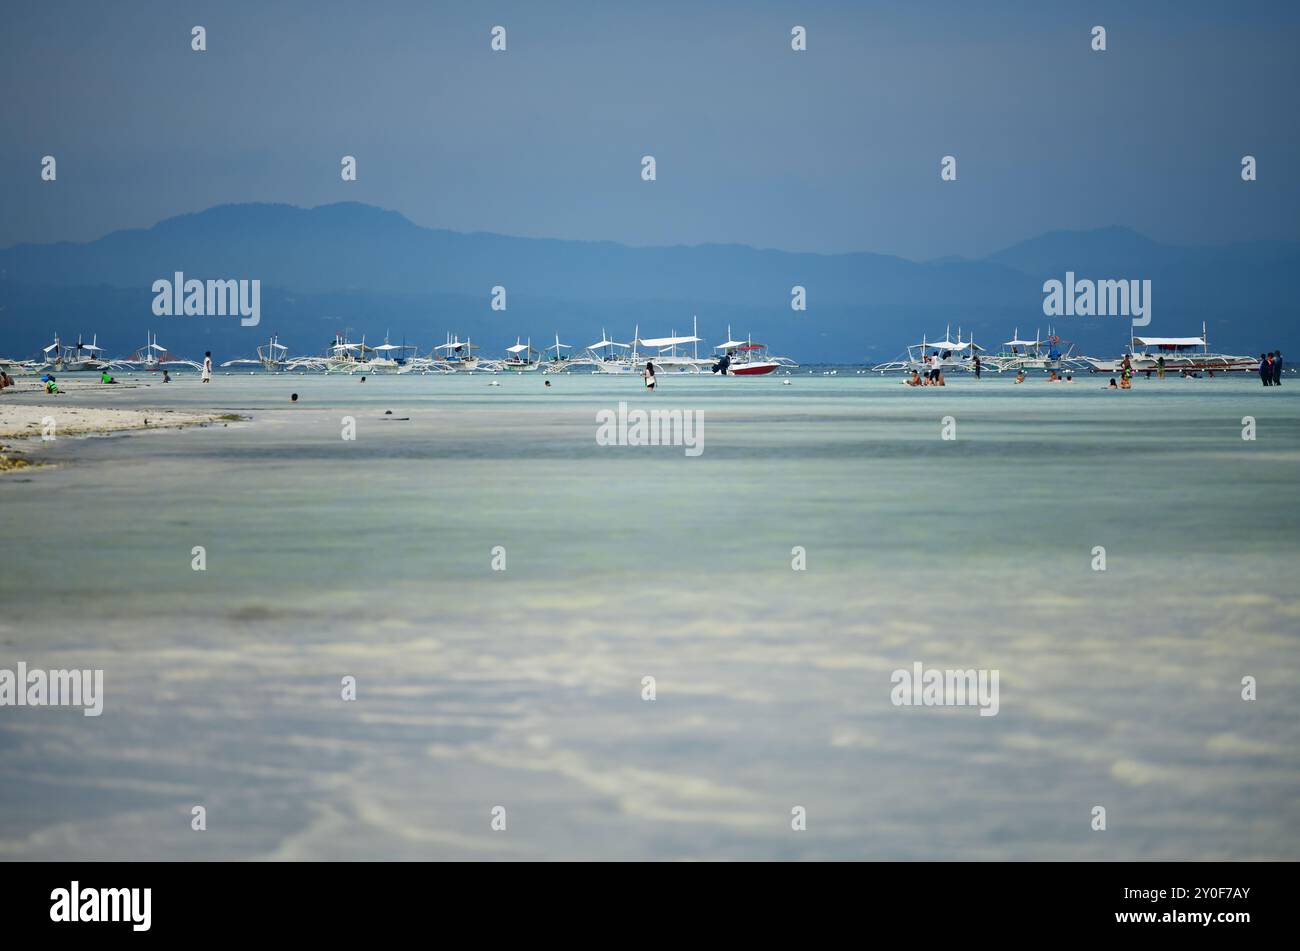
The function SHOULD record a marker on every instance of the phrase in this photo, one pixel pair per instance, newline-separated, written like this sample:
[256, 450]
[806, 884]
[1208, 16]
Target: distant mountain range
[370, 271]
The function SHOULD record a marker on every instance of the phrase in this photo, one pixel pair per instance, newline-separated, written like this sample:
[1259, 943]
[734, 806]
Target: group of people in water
[1270, 368]
[934, 370]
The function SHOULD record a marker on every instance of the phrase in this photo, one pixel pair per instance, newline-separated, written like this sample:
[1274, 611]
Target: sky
[836, 148]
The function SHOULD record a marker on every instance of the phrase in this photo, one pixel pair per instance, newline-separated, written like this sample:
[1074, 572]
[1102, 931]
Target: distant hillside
[372, 270]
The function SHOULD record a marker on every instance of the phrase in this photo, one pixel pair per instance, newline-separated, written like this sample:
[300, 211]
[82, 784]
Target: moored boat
[1191, 354]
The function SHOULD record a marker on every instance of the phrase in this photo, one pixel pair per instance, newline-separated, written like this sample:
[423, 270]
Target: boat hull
[1201, 363]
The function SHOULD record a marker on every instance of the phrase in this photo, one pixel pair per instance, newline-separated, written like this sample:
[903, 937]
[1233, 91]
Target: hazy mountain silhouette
[372, 270]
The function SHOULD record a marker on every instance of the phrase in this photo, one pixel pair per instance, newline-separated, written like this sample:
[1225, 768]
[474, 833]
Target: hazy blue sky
[833, 149]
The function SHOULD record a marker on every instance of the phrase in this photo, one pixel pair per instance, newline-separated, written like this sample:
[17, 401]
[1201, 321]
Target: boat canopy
[730, 345]
[518, 348]
[1171, 342]
[669, 341]
[946, 345]
[608, 343]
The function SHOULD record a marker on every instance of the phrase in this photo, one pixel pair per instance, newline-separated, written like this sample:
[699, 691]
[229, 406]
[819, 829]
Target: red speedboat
[746, 358]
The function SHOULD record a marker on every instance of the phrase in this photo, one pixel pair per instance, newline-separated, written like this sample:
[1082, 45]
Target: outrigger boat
[153, 357]
[746, 358]
[73, 359]
[667, 359]
[457, 355]
[390, 358]
[1179, 353]
[1037, 354]
[603, 356]
[271, 356]
[347, 357]
[954, 355]
[522, 358]
[558, 363]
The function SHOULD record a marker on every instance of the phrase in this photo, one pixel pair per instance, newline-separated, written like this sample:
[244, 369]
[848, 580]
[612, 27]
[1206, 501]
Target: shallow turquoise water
[522, 688]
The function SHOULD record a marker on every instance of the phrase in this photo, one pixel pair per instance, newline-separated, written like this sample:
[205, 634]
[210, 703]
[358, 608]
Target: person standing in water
[976, 362]
[648, 374]
[207, 367]
[1277, 368]
[1265, 371]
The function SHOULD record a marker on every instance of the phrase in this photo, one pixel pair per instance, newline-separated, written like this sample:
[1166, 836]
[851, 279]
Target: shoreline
[23, 422]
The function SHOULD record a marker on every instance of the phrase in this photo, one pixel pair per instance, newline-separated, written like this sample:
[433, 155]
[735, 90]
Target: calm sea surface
[373, 558]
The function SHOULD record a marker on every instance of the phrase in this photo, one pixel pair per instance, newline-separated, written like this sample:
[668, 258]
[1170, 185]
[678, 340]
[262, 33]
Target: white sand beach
[19, 419]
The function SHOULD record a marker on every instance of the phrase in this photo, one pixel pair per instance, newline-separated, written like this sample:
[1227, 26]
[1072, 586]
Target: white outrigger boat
[1191, 354]
[521, 358]
[1037, 354]
[954, 355]
[345, 356]
[271, 356]
[391, 358]
[558, 362]
[456, 356]
[603, 356]
[154, 357]
[72, 359]
[666, 358]
[746, 358]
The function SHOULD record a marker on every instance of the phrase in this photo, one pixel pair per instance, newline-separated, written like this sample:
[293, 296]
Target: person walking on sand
[1277, 368]
[207, 367]
[648, 374]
